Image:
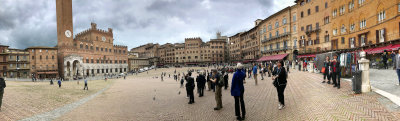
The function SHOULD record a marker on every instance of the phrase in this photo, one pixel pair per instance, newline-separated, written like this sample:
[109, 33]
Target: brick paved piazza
[306, 99]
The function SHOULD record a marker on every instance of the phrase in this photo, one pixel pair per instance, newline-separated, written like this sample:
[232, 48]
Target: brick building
[217, 48]
[17, 61]
[235, 51]
[193, 52]
[43, 62]
[167, 53]
[135, 63]
[276, 33]
[91, 52]
[364, 23]
[3, 60]
[314, 33]
[245, 46]
[149, 51]
[14, 63]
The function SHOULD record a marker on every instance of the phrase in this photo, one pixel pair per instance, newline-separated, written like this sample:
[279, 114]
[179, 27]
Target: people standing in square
[237, 91]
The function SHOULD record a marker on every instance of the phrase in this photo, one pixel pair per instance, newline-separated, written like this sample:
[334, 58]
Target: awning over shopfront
[49, 72]
[394, 47]
[272, 57]
[247, 61]
[191, 63]
[379, 49]
[306, 56]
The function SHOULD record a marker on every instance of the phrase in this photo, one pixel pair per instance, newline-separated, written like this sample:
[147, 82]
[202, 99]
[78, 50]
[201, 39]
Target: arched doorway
[68, 69]
[76, 68]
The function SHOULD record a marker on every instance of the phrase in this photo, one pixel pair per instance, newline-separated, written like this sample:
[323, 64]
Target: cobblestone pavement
[143, 97]
[385, 79]
[25, 99]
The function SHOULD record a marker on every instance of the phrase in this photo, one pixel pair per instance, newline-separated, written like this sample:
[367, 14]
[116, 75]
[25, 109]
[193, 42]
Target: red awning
[379, 49]
[368, 50]
[247, 61]
[306, 56]
[191, 63]
[394, 47]
[272, 57]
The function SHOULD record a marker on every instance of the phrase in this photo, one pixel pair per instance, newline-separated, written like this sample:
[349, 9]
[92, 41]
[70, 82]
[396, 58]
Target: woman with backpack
[280, 80]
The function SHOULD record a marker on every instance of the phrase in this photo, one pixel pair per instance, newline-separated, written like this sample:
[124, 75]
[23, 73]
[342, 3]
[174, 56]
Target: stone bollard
[364, 67]
[311, 67]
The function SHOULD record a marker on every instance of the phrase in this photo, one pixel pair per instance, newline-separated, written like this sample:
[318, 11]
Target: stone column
[83, 72]
[293, 64]
[364, 67]
[311, 67]
[301, 65]
[65, 72]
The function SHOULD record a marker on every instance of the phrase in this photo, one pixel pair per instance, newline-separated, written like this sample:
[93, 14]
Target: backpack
[220, 81]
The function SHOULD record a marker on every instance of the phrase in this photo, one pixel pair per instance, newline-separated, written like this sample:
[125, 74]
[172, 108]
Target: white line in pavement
[395, 99]
[52, 115]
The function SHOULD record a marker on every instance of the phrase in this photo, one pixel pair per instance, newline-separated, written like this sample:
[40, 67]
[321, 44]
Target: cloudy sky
[25, 23]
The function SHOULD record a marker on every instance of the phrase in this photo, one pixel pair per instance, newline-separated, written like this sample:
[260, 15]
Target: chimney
[258, 21]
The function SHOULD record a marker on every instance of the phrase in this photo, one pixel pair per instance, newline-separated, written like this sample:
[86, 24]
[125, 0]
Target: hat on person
[239, 66]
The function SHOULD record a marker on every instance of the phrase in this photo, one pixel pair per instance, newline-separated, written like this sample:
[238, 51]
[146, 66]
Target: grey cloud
[135, 22]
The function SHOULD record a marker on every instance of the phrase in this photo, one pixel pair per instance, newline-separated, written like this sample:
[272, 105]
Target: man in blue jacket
[237, 91]
[255, 73]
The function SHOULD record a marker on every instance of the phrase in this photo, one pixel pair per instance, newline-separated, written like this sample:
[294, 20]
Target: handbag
[323, 70]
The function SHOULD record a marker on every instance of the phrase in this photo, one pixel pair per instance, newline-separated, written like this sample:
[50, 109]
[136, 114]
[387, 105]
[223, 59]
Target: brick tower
[64, 24]
[64, 32]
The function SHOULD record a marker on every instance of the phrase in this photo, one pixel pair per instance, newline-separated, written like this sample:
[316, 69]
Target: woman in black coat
[280, 81]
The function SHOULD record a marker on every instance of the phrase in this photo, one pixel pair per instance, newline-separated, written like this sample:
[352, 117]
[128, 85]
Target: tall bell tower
[64, 24]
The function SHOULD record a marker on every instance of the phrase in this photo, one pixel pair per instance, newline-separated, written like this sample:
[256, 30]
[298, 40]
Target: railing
[312, 30]
[276, 37]
[278, 49]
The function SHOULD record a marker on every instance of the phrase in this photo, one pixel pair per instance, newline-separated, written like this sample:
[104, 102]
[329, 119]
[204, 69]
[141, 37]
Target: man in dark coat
[237, 91]
[190, 87]
[335, 71]
[201, 82]
[385, 59]
[226, 77]
[2, 86]
[208, 81]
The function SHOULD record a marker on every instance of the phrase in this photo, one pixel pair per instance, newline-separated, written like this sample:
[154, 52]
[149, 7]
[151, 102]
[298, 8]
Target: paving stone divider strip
[52, 115]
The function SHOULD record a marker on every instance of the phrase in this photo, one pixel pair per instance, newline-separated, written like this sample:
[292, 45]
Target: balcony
[276, 50]
[309, 31]
[276, 37]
